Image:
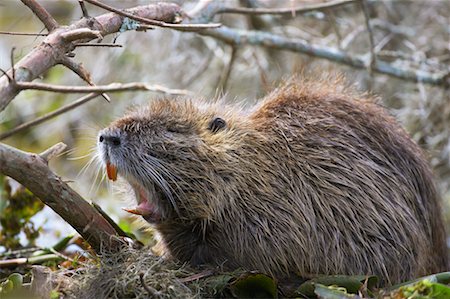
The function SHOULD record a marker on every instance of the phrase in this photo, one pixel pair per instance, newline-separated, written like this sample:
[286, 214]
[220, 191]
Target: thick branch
[42, 14]
[244, 37]
[52, 50]
[31, 170]
[283, 11]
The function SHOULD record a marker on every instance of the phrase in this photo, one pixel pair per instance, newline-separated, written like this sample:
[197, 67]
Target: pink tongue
[144, 209]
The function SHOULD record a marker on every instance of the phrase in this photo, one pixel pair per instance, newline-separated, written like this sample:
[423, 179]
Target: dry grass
[407, 33]
[118, 276]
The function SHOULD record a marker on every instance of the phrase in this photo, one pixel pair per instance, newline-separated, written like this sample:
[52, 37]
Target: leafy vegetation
[17, 206]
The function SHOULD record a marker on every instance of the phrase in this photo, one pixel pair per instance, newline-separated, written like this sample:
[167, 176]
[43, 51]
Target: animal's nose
[109, 140]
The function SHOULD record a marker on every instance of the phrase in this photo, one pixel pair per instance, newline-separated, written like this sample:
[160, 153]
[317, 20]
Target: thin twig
[281, 11]
[113, 87]
[110, 45]
[269, 40]
[83, 9]
[48, 116]
[262, 73]
[53, 151]
[22, 33]
[43, 15]
[365, 9]
[65, 257]
[11, 57]
[83, 73]
[222, 86]
[332, 19]
[180, 27]
[203, 274]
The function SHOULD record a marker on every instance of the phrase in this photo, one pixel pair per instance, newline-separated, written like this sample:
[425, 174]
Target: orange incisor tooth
[111, 170]
[132, 211]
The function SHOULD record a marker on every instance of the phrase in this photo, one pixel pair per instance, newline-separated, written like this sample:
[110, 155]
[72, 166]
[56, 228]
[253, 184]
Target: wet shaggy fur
[315, 178]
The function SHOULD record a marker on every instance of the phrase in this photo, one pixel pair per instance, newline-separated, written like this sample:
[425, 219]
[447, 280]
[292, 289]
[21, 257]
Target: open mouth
[146, 197]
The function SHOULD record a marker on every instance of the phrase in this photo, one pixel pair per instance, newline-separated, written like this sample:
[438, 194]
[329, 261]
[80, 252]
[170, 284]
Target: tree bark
[31, 170]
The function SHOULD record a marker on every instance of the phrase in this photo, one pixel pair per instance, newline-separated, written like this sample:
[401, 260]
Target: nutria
[314, 179]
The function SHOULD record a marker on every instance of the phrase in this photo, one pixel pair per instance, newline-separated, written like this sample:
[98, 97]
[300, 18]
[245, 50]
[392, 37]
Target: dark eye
[216, 124]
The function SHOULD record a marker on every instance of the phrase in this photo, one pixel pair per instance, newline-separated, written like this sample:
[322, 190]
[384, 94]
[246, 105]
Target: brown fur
[314, 179]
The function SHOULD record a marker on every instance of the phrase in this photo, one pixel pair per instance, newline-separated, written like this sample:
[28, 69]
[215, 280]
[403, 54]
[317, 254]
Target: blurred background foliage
[406, 33]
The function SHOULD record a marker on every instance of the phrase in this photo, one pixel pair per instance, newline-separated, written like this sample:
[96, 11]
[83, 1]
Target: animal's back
[315, 179]
[360, 193]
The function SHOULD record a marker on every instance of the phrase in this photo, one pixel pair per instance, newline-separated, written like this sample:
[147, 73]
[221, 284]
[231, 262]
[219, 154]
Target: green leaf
[254, 285]
[62, 244]
[328, 292]
[54, 294]
[423, 289]
[16, 279]
[440, 291]
[6, 287]
[443, 278]
[13, 282]
[351, 283]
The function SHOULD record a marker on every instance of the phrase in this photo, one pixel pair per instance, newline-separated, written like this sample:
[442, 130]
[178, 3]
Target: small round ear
[217, 124]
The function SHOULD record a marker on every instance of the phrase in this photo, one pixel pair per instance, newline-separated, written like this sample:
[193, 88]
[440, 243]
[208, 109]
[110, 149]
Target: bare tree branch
[48, 116]
[54, 47]
[22, 33]
[42, 14]
[53, 151]
[283, 11]
[176, 19]
[83, 9]
[223, 81]
[80, 34]
[365, 8]
[31, 170]
[85, 99]
[106, 45]
[83, 73]
[113, 87]
[269, 40]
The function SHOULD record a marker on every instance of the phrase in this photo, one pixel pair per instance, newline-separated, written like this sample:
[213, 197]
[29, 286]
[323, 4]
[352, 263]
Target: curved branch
[113, 87]
[176, 19]
[22, 33]
[42, 14]
[283, 11]
[269, 40]
[32, 171]
[83, 73]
